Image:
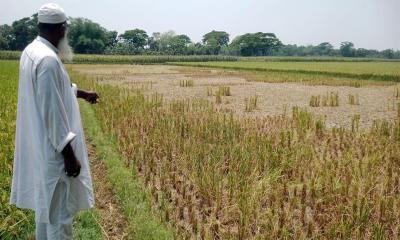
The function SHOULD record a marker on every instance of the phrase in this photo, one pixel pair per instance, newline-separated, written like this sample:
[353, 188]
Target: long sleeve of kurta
[50, 102]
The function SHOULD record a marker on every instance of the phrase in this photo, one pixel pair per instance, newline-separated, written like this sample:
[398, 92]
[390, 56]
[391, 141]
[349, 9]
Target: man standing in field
[51, 173]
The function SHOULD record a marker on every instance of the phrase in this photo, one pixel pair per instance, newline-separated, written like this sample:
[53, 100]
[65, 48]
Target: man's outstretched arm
[89, 96]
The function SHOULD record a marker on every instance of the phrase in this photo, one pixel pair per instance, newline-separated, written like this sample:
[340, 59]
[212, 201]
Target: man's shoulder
[37, 52]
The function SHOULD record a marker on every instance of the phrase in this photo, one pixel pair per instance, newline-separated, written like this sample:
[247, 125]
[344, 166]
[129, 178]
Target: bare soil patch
[375, 102]
[108, 207]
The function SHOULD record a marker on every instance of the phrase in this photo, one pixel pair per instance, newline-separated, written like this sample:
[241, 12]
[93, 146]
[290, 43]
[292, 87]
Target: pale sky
[372, 24]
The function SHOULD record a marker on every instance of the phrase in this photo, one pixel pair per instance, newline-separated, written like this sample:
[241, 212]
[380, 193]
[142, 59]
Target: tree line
[88, 37]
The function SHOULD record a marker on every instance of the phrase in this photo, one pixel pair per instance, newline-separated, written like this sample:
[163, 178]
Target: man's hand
[71, 165]
[92, 97]
[89, 96]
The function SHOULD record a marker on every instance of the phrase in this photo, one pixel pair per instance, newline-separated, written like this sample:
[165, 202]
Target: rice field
[234, 154]
[389, 71]
[217, 174]
[14, 222]
[128, 59]
[232, 91]
[120, 59]
[313, 59]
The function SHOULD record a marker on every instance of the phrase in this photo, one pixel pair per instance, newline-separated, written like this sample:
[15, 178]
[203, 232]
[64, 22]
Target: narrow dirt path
[109, 209]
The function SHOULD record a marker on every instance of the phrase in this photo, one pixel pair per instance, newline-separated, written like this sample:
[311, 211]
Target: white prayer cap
[51, 13]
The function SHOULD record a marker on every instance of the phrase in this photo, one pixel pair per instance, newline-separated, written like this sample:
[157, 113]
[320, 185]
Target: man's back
[47, 119]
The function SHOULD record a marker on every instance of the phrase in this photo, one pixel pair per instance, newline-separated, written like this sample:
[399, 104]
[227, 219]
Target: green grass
[129, 59]
[389, 71]
[91, 58]
[146, 59]
[142, 222]
[10, 55]
[389, 68]
[314, 59]
[86, 226]
[15, 223]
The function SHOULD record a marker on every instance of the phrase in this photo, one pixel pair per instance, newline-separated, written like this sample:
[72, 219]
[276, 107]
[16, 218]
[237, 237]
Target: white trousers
[60, 226]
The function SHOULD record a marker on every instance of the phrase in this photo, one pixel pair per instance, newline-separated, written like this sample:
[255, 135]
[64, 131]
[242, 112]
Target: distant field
[361, 70]
[313, 59]
[274, 91]
[129, 59]
[149, 59]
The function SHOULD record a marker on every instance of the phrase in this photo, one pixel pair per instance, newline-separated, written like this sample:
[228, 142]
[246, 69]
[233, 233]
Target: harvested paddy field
[223, 159]
[271, 94]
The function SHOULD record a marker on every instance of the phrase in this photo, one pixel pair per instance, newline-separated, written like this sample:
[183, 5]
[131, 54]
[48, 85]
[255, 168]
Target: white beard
[65, 50]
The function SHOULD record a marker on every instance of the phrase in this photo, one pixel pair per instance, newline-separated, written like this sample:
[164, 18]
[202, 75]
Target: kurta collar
[47, 43]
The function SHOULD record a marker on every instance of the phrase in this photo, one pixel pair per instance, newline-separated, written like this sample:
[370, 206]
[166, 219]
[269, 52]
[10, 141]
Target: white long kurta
[47, 119]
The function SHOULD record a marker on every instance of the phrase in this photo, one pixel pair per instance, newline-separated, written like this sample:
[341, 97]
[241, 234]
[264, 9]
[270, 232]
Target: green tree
[25, 31]
[199, 49]
[6, 37]
[215, 40]
[136, 37]
[170, 43]
[397, 54]
[347, 49]
[255, 44]
[179, 44]
[388, 53]
[324, 49]
[164, 41]
[361, 52]
[288, 50]
[154, 42]
[111, 38]
[86, 36]
[121, 48]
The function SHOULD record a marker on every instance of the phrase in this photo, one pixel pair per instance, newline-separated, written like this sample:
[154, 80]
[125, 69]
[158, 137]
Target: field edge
[136, 202]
